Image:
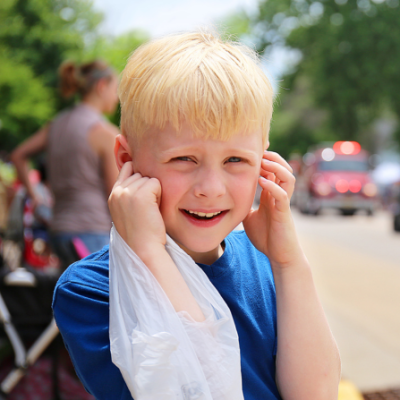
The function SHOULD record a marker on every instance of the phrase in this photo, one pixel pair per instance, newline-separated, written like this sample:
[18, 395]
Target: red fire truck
[336, 176]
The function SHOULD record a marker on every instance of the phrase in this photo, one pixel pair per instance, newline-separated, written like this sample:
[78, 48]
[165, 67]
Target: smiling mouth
[201, 215]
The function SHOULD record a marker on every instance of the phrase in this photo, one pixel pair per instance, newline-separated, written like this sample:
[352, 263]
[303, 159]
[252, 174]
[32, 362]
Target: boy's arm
[82, 314]
[307, 362]
[134, 207]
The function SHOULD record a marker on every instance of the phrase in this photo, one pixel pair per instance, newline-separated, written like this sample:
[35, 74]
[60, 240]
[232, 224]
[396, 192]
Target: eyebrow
[189, 149]
[183, 149]
[249, 155]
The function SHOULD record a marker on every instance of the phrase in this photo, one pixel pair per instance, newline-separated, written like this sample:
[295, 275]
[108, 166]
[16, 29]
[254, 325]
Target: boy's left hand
[271, 227]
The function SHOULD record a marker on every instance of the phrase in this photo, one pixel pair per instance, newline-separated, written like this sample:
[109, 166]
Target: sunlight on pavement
[356, 269]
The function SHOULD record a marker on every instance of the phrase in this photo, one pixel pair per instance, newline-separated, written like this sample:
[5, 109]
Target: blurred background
[334, 65]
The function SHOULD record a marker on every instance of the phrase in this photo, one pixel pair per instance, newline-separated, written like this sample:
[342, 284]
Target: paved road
[356, 266]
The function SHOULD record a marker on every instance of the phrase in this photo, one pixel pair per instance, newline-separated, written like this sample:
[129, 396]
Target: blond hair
[217, 87]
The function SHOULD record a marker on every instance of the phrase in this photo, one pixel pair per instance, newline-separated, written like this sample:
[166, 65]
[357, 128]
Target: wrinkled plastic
[163, 354]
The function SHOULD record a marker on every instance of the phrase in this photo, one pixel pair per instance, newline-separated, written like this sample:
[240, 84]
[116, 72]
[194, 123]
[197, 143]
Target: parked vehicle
[394, 204]
[338, 177]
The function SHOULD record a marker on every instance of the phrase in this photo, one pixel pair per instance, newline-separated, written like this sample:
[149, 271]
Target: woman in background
[80, 161]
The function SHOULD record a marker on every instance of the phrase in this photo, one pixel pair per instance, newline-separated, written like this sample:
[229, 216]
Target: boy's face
[208, 186]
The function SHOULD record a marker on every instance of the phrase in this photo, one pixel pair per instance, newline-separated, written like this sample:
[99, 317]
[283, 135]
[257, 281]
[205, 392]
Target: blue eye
[234, 159]
[183, 158]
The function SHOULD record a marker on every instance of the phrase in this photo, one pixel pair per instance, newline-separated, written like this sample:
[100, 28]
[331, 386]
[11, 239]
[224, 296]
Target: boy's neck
[207, 258]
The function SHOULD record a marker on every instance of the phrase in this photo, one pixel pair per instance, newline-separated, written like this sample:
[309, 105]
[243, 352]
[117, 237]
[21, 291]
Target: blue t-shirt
[243, 277]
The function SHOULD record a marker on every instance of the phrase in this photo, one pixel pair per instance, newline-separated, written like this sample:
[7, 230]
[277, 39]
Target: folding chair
[19, 281]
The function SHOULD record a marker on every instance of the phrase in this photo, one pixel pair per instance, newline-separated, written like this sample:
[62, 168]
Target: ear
[267, 144]
[122, 151]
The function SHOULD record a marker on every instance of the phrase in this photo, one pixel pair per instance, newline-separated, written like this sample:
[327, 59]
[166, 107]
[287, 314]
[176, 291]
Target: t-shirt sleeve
[82, 316]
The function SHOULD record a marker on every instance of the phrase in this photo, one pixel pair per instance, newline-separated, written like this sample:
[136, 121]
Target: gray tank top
[75, 174]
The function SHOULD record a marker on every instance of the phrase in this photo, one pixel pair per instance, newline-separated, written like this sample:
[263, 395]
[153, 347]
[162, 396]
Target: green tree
[350, 52]
[35, 37]
[297, 123]
[24, 99]
[234, 26]
[116, 50]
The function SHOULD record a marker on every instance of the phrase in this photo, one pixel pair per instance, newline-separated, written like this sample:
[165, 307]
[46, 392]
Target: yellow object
[348, 391]
[3, 206]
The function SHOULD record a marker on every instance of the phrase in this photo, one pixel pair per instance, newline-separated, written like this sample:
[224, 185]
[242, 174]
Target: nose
[209, 183]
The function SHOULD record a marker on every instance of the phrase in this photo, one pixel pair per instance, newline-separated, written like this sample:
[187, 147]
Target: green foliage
[36, 36]
[234, 26]
[350, 56]
[7, 175]
[296, 123]
[116, 50]
[24, 99]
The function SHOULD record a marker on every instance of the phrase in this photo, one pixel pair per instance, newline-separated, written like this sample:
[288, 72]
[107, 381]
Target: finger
[125, 172]
[133, 184]
[286, 179]
[127, 188]
[282, 200]
[131, 179]
[154, 186]
[142, 191]
[272, 156]
[282, 178]
[268, 175]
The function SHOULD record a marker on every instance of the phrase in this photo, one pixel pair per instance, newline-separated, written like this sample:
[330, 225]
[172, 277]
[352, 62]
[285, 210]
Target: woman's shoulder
[61, 115]
[105, 128]
[102, 136]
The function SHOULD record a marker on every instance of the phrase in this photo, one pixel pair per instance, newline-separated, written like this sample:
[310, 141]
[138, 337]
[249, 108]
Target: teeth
[201, 214]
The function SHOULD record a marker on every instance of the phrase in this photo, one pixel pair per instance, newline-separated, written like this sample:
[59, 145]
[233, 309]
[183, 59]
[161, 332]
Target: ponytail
[69, 84]
[82, 79]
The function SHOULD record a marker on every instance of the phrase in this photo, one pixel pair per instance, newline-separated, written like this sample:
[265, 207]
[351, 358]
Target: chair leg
[56, 347]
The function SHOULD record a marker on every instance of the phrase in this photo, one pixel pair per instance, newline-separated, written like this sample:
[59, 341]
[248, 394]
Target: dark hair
[81, 79]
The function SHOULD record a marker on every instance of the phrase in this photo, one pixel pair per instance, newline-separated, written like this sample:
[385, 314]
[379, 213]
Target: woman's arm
[31, 146]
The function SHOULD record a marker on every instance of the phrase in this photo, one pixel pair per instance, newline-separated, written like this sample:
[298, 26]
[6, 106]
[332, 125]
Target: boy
[195, 115]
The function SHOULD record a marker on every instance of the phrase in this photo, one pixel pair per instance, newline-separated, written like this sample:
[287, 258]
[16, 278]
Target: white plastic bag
[163, 354]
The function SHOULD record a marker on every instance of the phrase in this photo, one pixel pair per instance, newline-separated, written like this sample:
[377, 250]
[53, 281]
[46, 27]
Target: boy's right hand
[134, 206]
